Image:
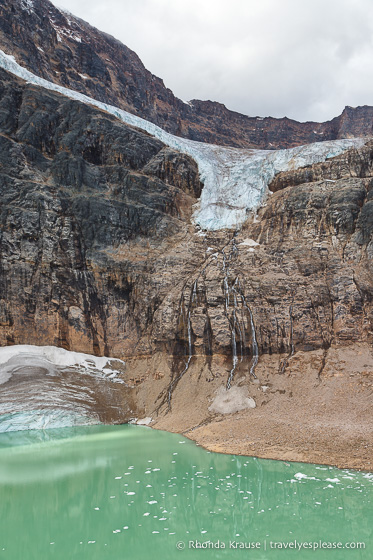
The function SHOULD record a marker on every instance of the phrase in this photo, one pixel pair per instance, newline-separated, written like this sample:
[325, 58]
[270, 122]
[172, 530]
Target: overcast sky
[305, 59]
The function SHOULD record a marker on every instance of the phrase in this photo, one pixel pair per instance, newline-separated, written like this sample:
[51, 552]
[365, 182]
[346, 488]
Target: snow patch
[249, 243]
[235, 180]
[228, 401]
[27, 5]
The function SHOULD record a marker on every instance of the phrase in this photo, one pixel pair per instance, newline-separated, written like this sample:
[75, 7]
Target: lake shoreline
[215, 436]
[285, 457]
[94, 491]
[300, 416]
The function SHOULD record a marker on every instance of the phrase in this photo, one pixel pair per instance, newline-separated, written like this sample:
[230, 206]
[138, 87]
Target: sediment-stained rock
[83, 205]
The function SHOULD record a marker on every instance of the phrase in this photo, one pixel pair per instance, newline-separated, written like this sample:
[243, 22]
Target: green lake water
[128, 492]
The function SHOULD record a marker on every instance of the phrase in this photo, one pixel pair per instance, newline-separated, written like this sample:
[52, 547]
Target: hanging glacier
[235, 180]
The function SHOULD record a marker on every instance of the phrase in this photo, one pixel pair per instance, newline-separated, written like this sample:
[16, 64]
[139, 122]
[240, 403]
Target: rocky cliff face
[68, 51]
[98, 253]
[85, 200]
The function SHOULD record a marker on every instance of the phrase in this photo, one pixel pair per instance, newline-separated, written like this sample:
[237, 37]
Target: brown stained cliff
[98, 253]
[66, 50]
[85, 215]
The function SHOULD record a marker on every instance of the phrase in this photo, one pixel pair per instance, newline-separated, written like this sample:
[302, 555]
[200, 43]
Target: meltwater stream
[128, 492]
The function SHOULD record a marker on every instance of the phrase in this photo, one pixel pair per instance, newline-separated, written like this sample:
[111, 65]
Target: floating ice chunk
[144, 421]
[300, 475]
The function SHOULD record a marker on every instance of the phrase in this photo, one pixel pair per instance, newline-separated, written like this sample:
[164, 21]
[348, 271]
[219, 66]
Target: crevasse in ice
[235, 180]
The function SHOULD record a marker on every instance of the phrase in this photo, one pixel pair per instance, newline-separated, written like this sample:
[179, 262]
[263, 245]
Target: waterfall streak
[174, 382]
[254, 344]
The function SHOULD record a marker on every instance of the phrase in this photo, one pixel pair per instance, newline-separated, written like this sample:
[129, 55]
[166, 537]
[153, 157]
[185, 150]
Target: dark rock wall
[66, 50]
[78, 191]
[306, 284]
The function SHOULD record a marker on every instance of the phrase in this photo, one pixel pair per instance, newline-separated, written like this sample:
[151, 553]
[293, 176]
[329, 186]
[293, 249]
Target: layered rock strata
[102, 211]
[63, 49]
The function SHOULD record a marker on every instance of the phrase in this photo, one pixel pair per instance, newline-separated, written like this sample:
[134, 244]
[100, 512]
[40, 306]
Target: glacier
[44, 419]
[48, 387]
[54, 356]
[235, 180]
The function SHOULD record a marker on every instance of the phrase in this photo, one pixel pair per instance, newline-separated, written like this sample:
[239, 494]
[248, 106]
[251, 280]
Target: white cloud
[303, 59]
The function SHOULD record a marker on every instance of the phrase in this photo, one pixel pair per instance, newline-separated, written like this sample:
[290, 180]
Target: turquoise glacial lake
[129, 492]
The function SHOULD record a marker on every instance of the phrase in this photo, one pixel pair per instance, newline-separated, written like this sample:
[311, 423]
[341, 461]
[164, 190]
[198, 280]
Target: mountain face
[66, 50]
[99, 254]
[77, 188]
